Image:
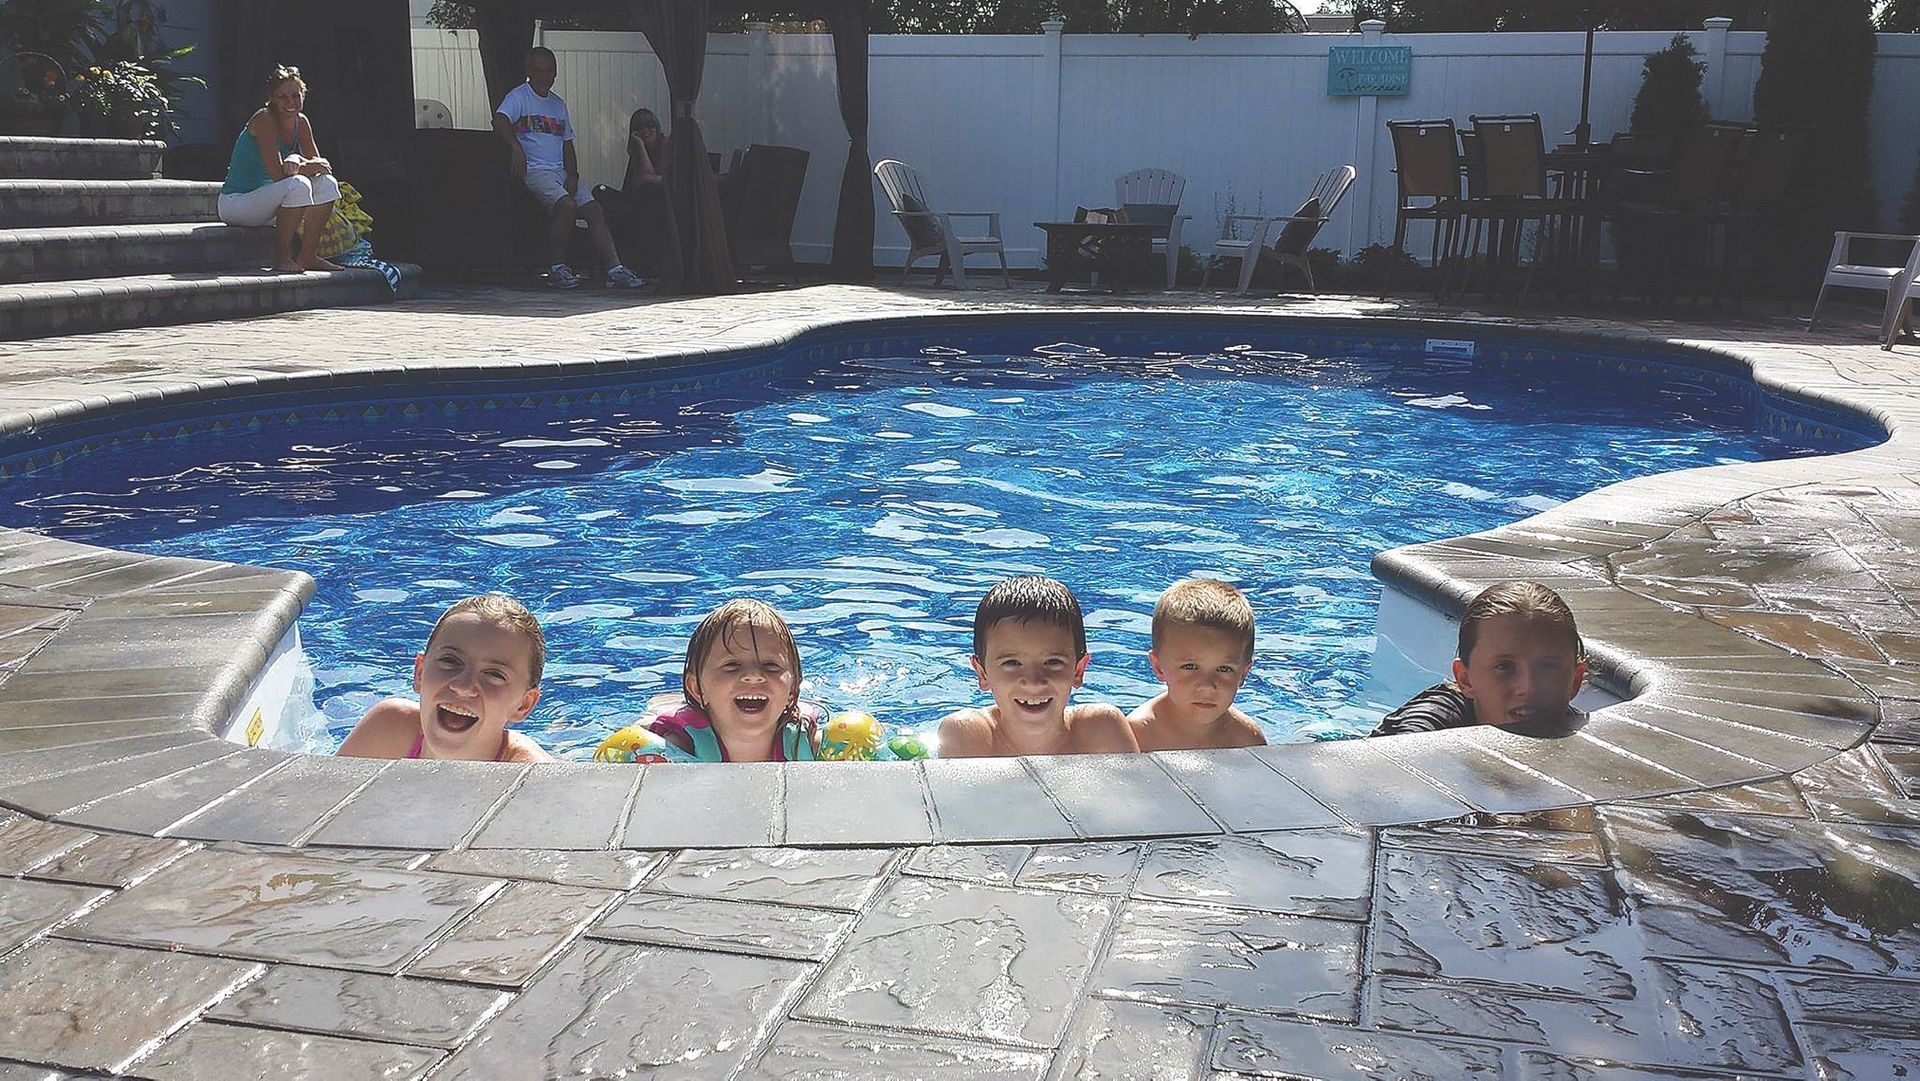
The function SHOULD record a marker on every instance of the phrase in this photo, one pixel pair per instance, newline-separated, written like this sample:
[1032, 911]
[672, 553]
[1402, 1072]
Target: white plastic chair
[1283, 239]
[1153, 195]
[1906, 290]
[428, 113]
[1894, 281]
[931, 232]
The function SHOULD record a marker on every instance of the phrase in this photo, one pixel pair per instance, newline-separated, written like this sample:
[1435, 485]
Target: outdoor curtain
[853, 222]
[677, 30]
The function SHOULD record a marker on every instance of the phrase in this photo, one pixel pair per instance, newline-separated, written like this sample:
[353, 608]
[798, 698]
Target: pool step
[63, 253]
[25, 157]
[46, 309]
[26, 204]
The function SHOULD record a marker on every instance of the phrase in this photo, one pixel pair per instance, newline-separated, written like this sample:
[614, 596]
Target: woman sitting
[277, 176]
[639, 212]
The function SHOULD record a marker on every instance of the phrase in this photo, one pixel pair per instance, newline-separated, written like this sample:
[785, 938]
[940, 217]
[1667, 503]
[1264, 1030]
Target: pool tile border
[1633, 751]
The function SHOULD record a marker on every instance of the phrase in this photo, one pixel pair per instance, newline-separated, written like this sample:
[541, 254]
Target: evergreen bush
[1669, 98]
[1817, 72]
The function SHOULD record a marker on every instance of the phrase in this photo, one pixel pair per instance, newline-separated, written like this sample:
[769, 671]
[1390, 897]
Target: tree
[1817, 72]
[1669, 97]
[1900, 17]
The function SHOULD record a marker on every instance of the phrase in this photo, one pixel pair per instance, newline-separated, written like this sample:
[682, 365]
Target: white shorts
[258, 207]
[550, 186]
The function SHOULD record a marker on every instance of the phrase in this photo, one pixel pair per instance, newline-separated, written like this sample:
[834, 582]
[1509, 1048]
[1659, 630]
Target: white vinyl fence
[1033, 125]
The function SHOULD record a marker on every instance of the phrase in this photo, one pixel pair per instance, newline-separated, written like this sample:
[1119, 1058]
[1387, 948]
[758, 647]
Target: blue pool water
[873, 501]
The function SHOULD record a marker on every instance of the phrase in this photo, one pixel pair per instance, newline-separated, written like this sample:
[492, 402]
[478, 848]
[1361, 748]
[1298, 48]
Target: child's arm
[1101, 729]
[966, 733]
[387, 731]
[1140, 721]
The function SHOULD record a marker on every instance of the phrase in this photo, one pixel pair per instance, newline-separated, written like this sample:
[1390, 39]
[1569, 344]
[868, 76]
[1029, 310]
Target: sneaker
[561, 276]
[622, 278]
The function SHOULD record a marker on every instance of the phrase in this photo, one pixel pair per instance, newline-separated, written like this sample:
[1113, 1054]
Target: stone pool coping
[108, 713]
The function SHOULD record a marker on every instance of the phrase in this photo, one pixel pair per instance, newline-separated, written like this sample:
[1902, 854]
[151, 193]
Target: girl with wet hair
[741, 692]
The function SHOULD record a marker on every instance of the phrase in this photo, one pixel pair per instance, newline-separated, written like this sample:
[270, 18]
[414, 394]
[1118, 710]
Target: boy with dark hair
[1030, 652]
[1520, 664]
[1202, 649]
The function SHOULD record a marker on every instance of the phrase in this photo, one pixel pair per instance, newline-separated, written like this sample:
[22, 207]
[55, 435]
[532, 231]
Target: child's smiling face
[473, 681]
[1030, 668]
[745, 685]
[1202, 667]
[1521, 670]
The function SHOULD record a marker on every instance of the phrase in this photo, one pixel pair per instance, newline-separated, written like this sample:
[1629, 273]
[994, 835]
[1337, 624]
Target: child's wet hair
[1204, 602]
[502, 611]
[1530, 601]
[746, 616]
[1029, 599]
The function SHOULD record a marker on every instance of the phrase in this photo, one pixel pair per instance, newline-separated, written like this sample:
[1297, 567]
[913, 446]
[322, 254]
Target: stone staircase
[90, 240]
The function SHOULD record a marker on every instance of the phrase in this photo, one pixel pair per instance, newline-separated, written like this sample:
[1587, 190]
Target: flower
[125, 93]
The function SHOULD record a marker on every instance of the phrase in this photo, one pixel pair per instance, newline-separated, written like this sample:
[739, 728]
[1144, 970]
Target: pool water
[874, 501]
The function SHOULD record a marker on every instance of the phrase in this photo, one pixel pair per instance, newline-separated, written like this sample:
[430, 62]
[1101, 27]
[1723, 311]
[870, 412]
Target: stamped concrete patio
[1715, 879]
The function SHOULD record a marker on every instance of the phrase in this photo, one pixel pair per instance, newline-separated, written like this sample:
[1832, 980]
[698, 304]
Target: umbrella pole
[1583, 131]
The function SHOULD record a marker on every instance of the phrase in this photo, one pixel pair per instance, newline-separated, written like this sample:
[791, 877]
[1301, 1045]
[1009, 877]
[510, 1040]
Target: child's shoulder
[1098, 727]
[1242, 731]
[386, 731]
[967, 731]
[522, 748]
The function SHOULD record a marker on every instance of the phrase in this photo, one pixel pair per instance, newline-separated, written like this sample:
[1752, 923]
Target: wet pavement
[1716, 880]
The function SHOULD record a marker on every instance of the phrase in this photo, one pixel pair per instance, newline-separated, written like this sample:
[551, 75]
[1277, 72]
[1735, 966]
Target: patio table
[1123, 251]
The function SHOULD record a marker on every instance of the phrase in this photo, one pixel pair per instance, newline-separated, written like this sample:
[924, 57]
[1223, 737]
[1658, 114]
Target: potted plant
[120, 100]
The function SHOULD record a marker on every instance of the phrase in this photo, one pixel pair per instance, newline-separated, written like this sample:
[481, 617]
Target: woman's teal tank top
[244, 171]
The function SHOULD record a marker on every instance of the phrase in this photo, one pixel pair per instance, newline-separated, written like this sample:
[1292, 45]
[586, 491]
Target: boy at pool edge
[480, 673]
[1520, 664]
[1030, 652]
[1202, 648]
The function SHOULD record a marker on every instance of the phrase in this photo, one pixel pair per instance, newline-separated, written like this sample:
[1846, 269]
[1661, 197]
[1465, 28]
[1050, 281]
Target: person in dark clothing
[1520, 664]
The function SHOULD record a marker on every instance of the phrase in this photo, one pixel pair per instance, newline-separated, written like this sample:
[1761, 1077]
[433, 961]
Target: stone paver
[1714, 880]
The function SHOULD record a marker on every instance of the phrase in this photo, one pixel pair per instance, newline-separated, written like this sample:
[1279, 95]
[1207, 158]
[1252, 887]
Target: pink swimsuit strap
[420, 740]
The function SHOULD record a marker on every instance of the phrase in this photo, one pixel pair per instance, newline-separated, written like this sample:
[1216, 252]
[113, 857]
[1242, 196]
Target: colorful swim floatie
[634, 743]
[854, 735]
[692, 723]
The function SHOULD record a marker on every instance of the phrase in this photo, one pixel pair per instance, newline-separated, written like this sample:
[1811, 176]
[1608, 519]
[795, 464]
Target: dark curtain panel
[853, 224]
[677, 29]
[506, 33]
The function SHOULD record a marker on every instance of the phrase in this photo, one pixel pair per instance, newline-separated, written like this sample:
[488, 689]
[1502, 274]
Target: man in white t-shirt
[533, 121]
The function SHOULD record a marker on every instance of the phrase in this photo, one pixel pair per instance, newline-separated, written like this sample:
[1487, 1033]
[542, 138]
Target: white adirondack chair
[1900, 303]
[1284, 239]
[931, 232]
[1153, 196]
[1879, 278]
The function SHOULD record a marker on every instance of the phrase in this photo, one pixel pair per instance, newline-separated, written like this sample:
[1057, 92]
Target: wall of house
[1034, 125]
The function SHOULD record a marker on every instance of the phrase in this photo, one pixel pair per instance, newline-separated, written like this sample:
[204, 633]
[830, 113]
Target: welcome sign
[1369, 70]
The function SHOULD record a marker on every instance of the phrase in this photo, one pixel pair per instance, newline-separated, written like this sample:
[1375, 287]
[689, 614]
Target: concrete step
[26, 204]
[66, 252]
[47, 309]
[27, 157]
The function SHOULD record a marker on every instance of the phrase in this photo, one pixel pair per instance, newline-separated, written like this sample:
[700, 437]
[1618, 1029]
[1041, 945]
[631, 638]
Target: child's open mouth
[454, 719]
[1033, 705]
[751, 704]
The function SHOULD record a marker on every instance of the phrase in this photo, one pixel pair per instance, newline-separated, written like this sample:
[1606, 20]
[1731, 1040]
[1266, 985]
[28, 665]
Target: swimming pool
[873, 487]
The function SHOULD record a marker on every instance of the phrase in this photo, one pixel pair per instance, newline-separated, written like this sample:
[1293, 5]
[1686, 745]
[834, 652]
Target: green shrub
[1669, 98]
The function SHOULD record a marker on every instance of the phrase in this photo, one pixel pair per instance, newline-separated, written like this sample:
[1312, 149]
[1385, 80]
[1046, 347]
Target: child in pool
[742, 692]
[1520, 664]
[480, 673]
[1202, 648]
[1030, 652]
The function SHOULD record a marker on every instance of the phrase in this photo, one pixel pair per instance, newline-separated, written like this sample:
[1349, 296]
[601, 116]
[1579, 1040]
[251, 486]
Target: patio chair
[759, 197]
[931, 232]
[1899, 318]
[1698, 183]
[1894, 280]
[1152, 196]
[1426, 156]
[1757, 208]
[1507, 188]
[1290, 235]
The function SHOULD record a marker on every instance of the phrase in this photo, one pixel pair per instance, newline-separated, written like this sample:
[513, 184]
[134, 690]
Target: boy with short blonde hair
[1030, 652]
[479, 674]
[1202, 650]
